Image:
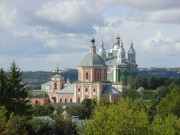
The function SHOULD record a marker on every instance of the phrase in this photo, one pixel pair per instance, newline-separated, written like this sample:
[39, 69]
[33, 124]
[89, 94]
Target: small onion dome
[112, 49]
[102, 50]
[121, 49]
[116, 47]
[131, 49]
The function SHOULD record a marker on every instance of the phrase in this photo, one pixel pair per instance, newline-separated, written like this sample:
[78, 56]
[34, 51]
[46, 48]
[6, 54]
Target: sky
[41, 34]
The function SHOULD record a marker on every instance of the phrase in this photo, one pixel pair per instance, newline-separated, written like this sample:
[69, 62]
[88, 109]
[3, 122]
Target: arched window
[60, 100]
[86, 90]
[78, 100]
[36, 102]
[94, 90]
[65, 100]
[87, 76]
[78, 89]
[55, 86]
[70, 100]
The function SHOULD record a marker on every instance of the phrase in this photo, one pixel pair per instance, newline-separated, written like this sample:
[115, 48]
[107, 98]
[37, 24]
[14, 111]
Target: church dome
[57, 76]
[116, 47]
[121, 50]
[101, 50]
[131, 51]
[92, 60]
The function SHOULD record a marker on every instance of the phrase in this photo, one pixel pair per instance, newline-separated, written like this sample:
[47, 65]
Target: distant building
[46, 87]
[92, 82]
[120, 69]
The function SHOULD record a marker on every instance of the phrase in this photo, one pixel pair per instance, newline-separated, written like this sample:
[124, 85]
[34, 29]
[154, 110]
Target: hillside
[34, 79]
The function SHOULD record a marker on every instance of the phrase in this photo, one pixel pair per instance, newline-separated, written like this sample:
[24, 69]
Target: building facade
[92, 82]
[121, 69]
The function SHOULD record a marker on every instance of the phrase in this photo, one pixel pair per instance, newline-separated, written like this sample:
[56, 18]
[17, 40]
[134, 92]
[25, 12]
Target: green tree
[18, 102]
[170, 104]
[3, 88]
[42, 110]
[12, 125]
[64, 126]
[40, 127]
[123, 118]
[132, 94]
[85, 110]
[168, 126]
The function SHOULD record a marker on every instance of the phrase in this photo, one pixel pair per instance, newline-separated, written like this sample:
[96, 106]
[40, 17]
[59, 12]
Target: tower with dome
[121, 69]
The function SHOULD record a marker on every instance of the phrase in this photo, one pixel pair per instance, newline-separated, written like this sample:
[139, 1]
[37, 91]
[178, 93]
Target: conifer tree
[17, 91]
[3, 88]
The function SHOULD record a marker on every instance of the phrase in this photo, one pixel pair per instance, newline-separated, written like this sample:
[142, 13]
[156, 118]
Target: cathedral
[121, 70]
[100, 75]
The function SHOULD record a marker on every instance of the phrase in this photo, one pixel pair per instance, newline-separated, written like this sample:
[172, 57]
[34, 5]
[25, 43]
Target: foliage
[153, 83]
[85, 110]
[42, 110]
[168, 126]
[40, 127]
[14, 125]
[4, 96]
[132, 94]
[14, 94]
[64, 127]
[123, 118]
[170, 104]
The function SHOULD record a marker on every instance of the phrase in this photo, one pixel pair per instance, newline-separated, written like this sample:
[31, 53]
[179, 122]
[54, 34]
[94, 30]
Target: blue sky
[39, 34]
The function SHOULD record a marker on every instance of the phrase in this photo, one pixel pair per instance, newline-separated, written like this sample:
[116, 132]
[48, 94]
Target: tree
[42, 110]
[85, 110]
[14, 125]
[170, 104]
[123, 118]
[3, 88]
[133, 94]
[168, 126]
[17, 91]
[88, 106]
[64, 126]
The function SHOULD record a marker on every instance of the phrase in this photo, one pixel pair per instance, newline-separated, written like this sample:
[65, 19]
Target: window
[78, 100]
[70, 100]
[86, 90]
[36, 102]
[94, 90]
[65, 100]
[87, 76]
[55, 86]
[78, 89]
[60, 100]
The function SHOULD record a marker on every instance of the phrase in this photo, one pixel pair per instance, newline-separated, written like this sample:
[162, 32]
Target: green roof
[57, 76]
[92, 60]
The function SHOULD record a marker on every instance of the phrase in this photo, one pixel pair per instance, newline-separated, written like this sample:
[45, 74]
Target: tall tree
[125, 118]
[17, 91]
[3, 88]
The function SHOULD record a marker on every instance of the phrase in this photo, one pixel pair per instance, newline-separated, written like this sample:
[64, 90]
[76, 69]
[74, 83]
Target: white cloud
[160, 45]
[78, 14]
[165, 16]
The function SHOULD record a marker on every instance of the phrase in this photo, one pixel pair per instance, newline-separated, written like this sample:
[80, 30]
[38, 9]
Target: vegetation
[138, 112]
[13, 93]
[84, 111]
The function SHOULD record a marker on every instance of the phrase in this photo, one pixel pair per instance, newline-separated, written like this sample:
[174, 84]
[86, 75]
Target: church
[121, 70]
[100, 76]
